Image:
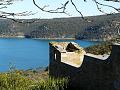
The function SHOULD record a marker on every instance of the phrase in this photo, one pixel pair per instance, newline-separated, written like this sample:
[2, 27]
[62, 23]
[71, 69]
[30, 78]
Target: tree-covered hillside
[95, 28]
[105, 29]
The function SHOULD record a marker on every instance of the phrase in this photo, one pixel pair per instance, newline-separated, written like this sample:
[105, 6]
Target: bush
[15, 80]
[50, 84]
[100, 49]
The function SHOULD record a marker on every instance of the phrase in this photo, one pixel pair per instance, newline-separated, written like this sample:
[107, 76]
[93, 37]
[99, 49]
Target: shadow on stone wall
[93, 74]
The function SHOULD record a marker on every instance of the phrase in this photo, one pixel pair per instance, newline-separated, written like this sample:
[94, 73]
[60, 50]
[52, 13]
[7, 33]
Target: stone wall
[93, 74]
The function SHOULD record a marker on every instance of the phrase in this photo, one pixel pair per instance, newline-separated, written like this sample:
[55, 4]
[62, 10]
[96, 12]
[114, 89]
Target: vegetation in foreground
[30, 80]
[40, 80]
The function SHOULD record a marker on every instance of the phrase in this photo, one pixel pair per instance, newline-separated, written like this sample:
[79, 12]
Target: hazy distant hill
[99, 27]
[105, 29]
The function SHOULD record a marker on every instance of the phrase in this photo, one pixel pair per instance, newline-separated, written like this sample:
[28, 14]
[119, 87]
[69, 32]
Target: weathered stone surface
[91, 74]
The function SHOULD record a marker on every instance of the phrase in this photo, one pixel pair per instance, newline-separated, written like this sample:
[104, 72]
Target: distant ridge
[101, 27]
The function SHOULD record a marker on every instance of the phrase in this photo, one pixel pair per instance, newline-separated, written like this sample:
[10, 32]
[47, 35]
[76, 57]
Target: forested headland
[103, 27]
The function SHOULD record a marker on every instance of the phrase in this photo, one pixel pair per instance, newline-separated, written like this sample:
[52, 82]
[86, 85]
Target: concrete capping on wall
[70, 53]
[74, 58]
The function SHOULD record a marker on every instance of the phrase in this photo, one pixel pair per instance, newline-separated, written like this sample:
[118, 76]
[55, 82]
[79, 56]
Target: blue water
[27, 53]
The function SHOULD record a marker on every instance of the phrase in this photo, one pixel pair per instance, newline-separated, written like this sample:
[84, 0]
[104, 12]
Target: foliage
[61, 27]
[100, 49]
[17, 80]
[104, 47]
[14, 81]
[106, 30]
[50, 84]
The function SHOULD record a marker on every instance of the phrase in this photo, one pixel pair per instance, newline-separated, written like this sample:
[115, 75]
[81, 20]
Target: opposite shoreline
[40, 38]
[55, 38]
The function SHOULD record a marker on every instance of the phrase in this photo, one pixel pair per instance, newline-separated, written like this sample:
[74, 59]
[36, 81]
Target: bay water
[28, 53]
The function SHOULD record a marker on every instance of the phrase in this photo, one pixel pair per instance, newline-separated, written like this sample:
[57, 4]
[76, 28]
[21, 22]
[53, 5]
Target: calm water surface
[27, 53]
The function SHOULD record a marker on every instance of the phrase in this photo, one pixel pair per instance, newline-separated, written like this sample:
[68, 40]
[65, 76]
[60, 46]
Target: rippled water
[27, 53]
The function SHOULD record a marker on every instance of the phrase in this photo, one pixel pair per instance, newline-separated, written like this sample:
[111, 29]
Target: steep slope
[105, 31]
[99, 27]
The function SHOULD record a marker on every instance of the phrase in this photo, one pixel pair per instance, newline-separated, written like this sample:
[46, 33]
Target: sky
[87, 8]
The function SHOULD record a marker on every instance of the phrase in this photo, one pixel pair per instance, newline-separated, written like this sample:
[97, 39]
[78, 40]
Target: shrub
[16, 80]
[100, 49]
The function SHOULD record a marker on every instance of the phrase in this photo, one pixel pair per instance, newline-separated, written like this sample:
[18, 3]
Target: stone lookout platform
[70, 53]
[85, 71]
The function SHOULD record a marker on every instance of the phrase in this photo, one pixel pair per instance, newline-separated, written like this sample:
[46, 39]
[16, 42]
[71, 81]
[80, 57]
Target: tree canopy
[7, 15]
[61, 9]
